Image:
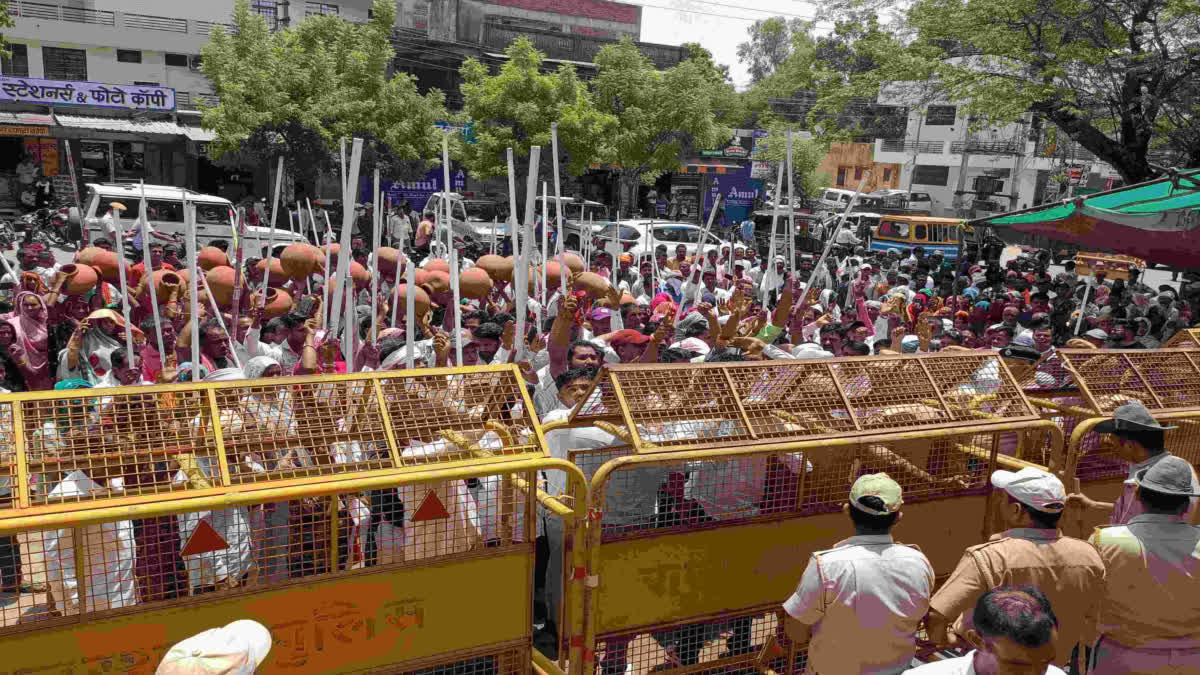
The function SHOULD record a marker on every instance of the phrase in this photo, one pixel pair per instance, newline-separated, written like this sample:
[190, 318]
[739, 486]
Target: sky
[718, 25]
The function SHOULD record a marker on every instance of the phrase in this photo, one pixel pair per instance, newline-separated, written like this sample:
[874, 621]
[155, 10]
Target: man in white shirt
[1014, 633]
[861, 601]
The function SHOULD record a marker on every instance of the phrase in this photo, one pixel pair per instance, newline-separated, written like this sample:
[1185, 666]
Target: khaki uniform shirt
[1152, 592]
[1066, 569]
[864, 599]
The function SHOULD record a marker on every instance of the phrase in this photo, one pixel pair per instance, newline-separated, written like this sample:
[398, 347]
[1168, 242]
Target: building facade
[972, 168]
[846, 164]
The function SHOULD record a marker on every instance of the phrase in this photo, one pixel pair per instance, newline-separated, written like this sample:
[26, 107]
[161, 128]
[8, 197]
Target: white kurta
[108, 552]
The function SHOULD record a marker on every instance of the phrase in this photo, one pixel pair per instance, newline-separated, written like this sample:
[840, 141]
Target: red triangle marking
[431, 509]
[204, 539]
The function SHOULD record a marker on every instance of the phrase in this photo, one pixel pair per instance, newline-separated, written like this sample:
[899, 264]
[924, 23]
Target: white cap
[236, 649]
[1034, 488]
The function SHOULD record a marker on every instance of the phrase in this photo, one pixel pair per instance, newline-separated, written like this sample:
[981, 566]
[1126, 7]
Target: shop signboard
[417, 192]
[738, 190]
[740, 147]
[100, 94]
[23, 130]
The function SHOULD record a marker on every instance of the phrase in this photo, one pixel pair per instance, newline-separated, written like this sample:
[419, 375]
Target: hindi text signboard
[100, 94]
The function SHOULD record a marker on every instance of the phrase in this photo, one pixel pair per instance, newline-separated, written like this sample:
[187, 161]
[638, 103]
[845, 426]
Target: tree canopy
[296, 92]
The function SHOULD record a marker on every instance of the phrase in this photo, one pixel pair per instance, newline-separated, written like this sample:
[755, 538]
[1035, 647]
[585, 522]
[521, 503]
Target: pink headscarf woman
[29, 351]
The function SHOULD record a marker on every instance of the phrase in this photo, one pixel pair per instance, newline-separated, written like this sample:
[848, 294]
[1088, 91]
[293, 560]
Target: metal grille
[511, 661]
[112, 444]
[712, 646]
[1160, 379]
[436, 418]
[292, 430]
[8, 458]
[1189, 337]
[251, 548]
[712, 405]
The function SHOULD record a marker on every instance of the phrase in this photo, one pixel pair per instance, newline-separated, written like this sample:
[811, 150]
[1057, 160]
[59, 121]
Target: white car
[215, 216]
[651, 234]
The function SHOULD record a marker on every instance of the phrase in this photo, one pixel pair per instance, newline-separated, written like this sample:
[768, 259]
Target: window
[841, 176]
[267, 9]
[887, 173]
[925, 174]
[858, 173]
[16, 64]
[177, 60]
[311, 8]
[920, 233]
[64, 64]
[129, 56]
[941, 115]
[988, 184]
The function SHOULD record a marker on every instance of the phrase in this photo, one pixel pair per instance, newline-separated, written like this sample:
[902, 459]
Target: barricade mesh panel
[719, 405]
[510, 661]
[240, 549]
[8, 457]
[485, 407]
[121, 441]
[1160, 379]
[293, 430]
[1189, 337]
[722, 645]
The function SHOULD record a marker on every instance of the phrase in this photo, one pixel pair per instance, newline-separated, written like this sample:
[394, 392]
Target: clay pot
[554, 274]
[475, 283]
[220, 282]
[210, 257]
[420, 299]
[300, 260]
[81, 278]
[595, 285]
[164, 282]
[420, 276]
[106, 262]
[278, 276]
[279, 302]
[497, 267]
[627, 299]
[359, 274]
[437, 265]
[333, 255]
[388, 260]
[88, 255]
[437, 282]
[574, 262]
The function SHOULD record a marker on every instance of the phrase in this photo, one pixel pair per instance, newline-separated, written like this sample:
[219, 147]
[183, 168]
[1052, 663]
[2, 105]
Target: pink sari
[32, 336]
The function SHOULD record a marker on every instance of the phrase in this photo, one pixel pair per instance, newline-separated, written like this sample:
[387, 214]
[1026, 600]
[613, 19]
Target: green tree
[661, 115]
[769, 45]
[296, 92]
[1116, 76]
[515, 109]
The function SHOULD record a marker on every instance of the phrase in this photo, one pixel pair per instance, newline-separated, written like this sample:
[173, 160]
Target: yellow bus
[906, 232]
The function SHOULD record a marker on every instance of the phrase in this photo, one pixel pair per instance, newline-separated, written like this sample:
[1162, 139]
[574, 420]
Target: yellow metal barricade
[379, 522]
[731, 475]
[1167, 381]
[1189, 337]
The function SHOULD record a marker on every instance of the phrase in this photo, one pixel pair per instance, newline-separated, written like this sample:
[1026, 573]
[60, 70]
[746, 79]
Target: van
[215, 216]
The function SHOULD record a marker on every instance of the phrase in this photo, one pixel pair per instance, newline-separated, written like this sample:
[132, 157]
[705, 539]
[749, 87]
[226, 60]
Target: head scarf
[185, 373]
[96, 352]
[258, 365]
[224, 375]
[31, 333]
[73, 383]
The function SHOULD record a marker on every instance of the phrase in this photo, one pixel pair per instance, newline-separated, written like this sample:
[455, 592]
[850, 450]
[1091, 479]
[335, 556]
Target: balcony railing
[1009, 147]
[47, 11]
[571, 47]
[186, 100]
[926, 147]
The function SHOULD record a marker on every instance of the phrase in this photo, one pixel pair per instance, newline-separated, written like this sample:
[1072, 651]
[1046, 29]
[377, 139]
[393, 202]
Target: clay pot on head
[437, 282]
[278, 275]
[299, 260]
[359, 274]
[595, 285]
[88, 255]
[334, 253]
[81, 278]
[420, 300]
[437, 265]
[554, 275]
[627, 299]
[474, 283]
[574, 262]
[106, 262]
[498, 268]
[164, 282]
[388, 260]
[210, 257]
[220, 282]
[279, 302]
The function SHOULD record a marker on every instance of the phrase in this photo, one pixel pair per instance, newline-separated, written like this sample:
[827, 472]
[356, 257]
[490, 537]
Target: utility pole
[960, 209]
[916, 148]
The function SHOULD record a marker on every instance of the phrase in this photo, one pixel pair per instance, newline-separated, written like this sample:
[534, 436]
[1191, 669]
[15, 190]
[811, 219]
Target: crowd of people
[722, 304]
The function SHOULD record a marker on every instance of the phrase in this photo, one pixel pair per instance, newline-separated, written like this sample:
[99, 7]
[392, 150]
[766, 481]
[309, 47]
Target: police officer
[1140, 440]
[1032, 551]
[862, 600]
[1150, 614]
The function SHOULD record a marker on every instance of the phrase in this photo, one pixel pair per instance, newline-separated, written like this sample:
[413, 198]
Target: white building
[971, 168]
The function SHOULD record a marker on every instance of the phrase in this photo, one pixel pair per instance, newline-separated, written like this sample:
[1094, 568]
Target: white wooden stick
[271, 234]
[410, 322]
[189, 220]
[377, 221]
[148, 273]
[535, 155]
[558, 215]
[120, 236]
[791, 209]
[343, 268]
[770, 271]
[448, 223]
[512, 219]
